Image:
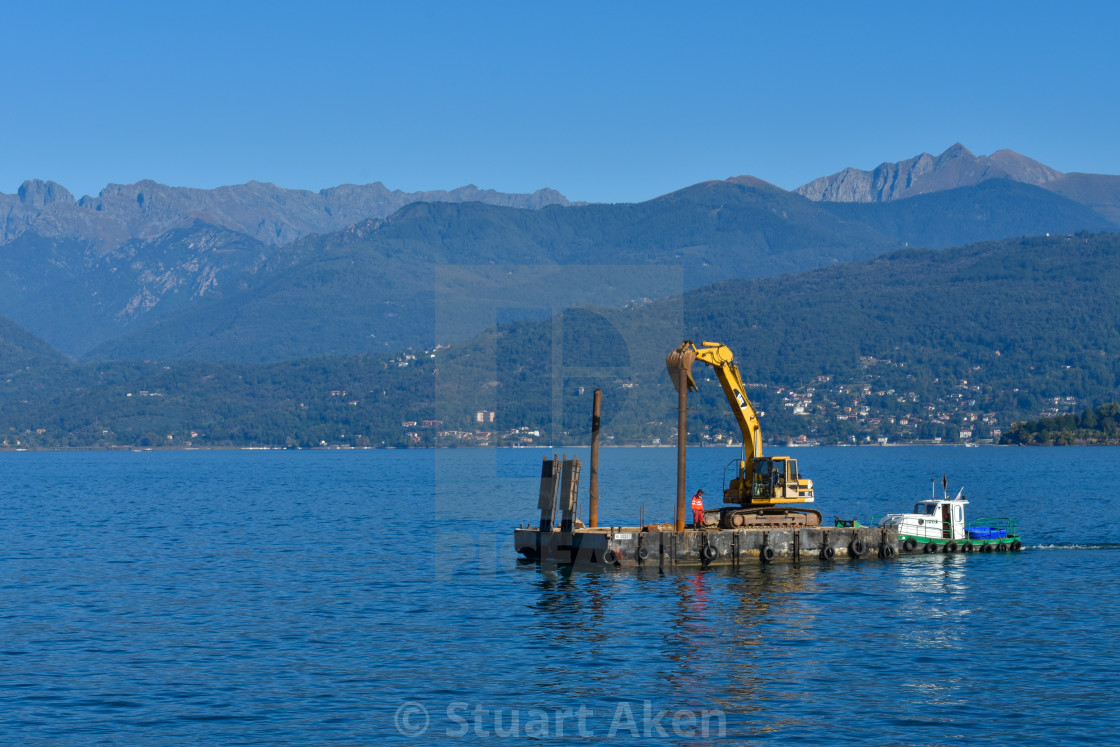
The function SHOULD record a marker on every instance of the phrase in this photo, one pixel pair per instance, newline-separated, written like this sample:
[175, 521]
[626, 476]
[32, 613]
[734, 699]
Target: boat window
[960, 514]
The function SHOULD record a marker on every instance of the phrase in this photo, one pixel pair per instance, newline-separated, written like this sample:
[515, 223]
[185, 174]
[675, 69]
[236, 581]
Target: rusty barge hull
[630, 546]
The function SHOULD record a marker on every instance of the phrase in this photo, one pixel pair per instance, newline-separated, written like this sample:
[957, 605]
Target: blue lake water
[374, 596]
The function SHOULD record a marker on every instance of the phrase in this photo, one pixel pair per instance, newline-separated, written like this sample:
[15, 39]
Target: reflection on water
[782, 649]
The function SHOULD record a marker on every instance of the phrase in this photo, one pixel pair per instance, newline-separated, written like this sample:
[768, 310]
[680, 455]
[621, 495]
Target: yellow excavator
[761, 483]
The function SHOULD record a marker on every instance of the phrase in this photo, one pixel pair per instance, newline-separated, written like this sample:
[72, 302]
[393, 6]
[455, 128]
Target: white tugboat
[938, 525]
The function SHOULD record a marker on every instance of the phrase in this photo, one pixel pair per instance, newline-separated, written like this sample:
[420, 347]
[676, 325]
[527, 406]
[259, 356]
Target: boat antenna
[945, 487]
[933, 488]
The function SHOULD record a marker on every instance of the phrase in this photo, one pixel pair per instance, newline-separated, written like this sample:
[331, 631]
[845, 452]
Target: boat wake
[1076, 546]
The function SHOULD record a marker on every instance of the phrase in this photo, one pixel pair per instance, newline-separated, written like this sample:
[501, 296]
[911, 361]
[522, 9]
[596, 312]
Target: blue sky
[604, 101]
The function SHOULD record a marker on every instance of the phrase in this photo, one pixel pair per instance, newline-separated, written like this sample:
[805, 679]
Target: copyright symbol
[411, 719]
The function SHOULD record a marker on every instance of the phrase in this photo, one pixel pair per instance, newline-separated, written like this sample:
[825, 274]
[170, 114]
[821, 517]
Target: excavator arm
[720, 358]
[761, 481]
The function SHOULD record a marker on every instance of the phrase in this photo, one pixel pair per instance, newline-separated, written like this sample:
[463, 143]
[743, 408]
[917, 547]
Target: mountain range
[267, 213]
[958, 167]
[256, 273]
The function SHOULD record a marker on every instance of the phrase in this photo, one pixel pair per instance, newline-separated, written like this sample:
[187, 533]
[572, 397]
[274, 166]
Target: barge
[756, 524]
[653, 546]
[935, 526]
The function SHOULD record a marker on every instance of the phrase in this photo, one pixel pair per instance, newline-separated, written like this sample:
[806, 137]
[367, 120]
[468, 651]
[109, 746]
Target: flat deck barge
[635, 546]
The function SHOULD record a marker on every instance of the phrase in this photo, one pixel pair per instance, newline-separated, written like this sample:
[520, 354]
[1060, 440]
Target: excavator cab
[772, 480]
[764, 480]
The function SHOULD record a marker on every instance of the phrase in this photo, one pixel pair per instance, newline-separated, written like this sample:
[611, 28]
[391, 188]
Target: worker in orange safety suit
[698, 509]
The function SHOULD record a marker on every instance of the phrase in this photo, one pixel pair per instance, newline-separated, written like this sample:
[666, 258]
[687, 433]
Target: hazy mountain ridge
[21, 351]
[199, 279]
[959, 167]
[924, 173]
[1101, 192]
[374, 286]
[268, 213]
[77, 295]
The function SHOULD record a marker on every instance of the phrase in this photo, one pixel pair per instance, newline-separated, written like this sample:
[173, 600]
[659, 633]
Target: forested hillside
[912, 345]
[1091, 426]
[953, 345]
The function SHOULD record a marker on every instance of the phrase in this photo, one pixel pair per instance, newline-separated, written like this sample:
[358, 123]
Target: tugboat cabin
[933, 519]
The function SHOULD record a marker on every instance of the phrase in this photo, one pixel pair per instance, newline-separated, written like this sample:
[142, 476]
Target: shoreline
[170, 449]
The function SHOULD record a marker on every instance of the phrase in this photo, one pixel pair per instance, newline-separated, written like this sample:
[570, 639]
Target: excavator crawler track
[771, 517]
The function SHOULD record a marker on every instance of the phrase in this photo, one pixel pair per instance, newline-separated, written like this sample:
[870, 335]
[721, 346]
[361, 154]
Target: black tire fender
[610, 557]
[709, 553]
[931, 547]
[886, 552]
[1016, 546]
[766, 553]
[951, 547]
[641, 554]
[909, 544]
[857, 548]
[827, 552]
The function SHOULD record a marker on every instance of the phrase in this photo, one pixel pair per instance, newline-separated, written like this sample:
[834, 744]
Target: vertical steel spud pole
[593, 499]
[682, 443]
[679, 365]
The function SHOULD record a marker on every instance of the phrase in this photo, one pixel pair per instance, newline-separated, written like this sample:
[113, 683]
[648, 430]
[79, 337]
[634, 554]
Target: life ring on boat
[886, 551]
[641, 554]
[909, 544]
[709, 553]
[827, 552]
[610, 557]
[766, 554]
[951, 547]
[930, 548]
[857, 548]
[1016, 546]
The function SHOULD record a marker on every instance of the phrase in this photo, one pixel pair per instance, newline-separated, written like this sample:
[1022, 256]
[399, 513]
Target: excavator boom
[762, 482]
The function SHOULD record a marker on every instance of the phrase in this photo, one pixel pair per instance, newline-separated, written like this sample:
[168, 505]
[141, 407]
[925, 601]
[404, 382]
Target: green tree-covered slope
[954, 345]
[1100, 425]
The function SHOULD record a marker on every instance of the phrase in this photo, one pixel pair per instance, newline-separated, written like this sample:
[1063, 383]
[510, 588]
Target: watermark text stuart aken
[634, 719]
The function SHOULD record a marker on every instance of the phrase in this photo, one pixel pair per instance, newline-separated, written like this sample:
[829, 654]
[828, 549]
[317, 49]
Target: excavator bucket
[682, 358]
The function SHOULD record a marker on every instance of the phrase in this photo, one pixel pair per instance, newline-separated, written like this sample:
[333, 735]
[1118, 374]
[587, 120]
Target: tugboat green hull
[928, 545]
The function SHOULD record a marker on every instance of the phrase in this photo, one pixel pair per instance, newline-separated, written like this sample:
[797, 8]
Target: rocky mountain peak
[925, 173]
[36, 193]
[954, 151]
